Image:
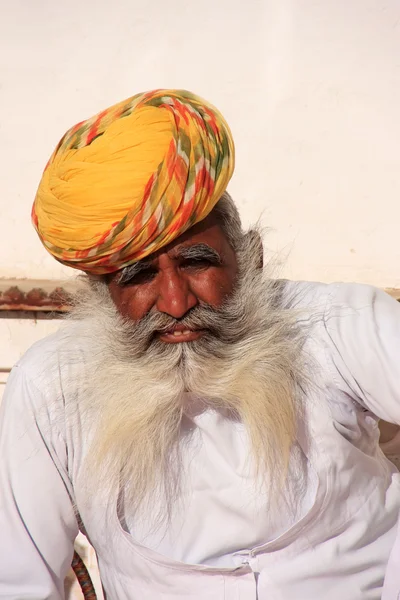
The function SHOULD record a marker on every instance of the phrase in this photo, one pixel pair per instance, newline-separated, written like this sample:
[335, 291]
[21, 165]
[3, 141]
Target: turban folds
[128, 181]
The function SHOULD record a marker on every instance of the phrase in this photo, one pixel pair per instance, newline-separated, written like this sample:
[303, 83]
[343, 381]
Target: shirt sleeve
[363, 325]
[37, 521]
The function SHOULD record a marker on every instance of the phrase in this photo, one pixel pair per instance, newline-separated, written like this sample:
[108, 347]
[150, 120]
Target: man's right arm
[37, 520]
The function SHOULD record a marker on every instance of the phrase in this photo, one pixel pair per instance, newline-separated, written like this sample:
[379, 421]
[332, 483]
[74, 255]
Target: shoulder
[350, 315]
[52, 362]
[357, 314]
[362, 300]
[335, 295]
[341, 305]
[357, 334]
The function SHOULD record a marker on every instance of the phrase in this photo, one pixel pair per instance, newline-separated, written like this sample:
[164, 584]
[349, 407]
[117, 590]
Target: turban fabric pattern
[130, 180]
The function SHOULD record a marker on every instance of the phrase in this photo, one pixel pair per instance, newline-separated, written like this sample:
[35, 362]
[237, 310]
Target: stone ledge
[36, 295]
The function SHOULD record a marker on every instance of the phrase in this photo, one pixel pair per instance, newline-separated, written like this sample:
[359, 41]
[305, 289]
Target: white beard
[135, 397]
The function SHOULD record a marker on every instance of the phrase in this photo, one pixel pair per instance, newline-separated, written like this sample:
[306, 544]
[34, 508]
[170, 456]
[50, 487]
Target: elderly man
[211, 429]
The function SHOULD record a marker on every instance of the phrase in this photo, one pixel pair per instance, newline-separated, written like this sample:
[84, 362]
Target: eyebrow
[131, 271]
[195, 252]
[198, 252]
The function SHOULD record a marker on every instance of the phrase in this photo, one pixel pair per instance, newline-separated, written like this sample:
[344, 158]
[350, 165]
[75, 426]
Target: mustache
[225, 324]
[203, 317]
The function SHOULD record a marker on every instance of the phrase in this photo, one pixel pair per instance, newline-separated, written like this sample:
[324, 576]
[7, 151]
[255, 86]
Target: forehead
[207, 232]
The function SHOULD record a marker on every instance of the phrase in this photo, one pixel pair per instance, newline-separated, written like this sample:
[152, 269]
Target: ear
[255, 240]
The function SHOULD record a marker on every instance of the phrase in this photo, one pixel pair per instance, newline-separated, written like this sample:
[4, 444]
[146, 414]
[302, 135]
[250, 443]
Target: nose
[175, 297]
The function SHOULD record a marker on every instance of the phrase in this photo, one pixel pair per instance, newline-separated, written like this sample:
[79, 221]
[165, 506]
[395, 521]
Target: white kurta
[333, 542]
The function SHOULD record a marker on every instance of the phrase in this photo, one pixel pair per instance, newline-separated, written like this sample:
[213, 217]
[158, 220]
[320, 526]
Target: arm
[37, 520]
[364, 325]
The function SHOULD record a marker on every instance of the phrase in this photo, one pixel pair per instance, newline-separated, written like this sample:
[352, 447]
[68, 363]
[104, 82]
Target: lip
[179, 335]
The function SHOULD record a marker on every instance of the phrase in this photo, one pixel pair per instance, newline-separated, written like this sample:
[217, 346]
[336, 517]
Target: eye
[197, 263]
[144, 276]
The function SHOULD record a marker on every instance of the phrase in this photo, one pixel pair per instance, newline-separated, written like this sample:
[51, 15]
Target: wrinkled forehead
[207, 232]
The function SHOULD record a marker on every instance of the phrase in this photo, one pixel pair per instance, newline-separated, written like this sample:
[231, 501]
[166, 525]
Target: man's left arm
[364, 324]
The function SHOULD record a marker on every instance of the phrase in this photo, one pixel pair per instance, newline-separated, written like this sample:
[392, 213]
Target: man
[212, 430]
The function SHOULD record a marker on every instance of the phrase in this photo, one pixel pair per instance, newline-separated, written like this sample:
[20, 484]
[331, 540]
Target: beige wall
[310, 87]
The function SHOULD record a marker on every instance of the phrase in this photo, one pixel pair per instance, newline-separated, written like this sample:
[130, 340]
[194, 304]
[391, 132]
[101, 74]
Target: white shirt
[334, 542]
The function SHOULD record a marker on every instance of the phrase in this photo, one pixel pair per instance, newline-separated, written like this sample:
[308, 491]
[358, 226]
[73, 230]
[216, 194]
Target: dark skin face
[199, 267]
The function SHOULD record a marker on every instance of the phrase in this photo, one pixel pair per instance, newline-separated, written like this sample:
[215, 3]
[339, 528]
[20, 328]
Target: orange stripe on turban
[133, 178]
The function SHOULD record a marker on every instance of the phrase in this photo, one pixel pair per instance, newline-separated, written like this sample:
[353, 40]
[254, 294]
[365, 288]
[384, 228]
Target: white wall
[311, 89]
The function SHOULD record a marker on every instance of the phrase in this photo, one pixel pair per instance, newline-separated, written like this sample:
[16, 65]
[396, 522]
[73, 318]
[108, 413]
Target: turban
[130, 180]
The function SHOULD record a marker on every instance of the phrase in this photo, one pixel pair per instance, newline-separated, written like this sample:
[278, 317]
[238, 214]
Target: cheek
[130, 302]
[213, 287]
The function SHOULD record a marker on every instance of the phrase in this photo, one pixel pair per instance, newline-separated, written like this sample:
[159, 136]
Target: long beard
[248, 363]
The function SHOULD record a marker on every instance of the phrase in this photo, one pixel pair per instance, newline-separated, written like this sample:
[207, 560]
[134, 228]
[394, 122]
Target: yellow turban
[128, 181]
